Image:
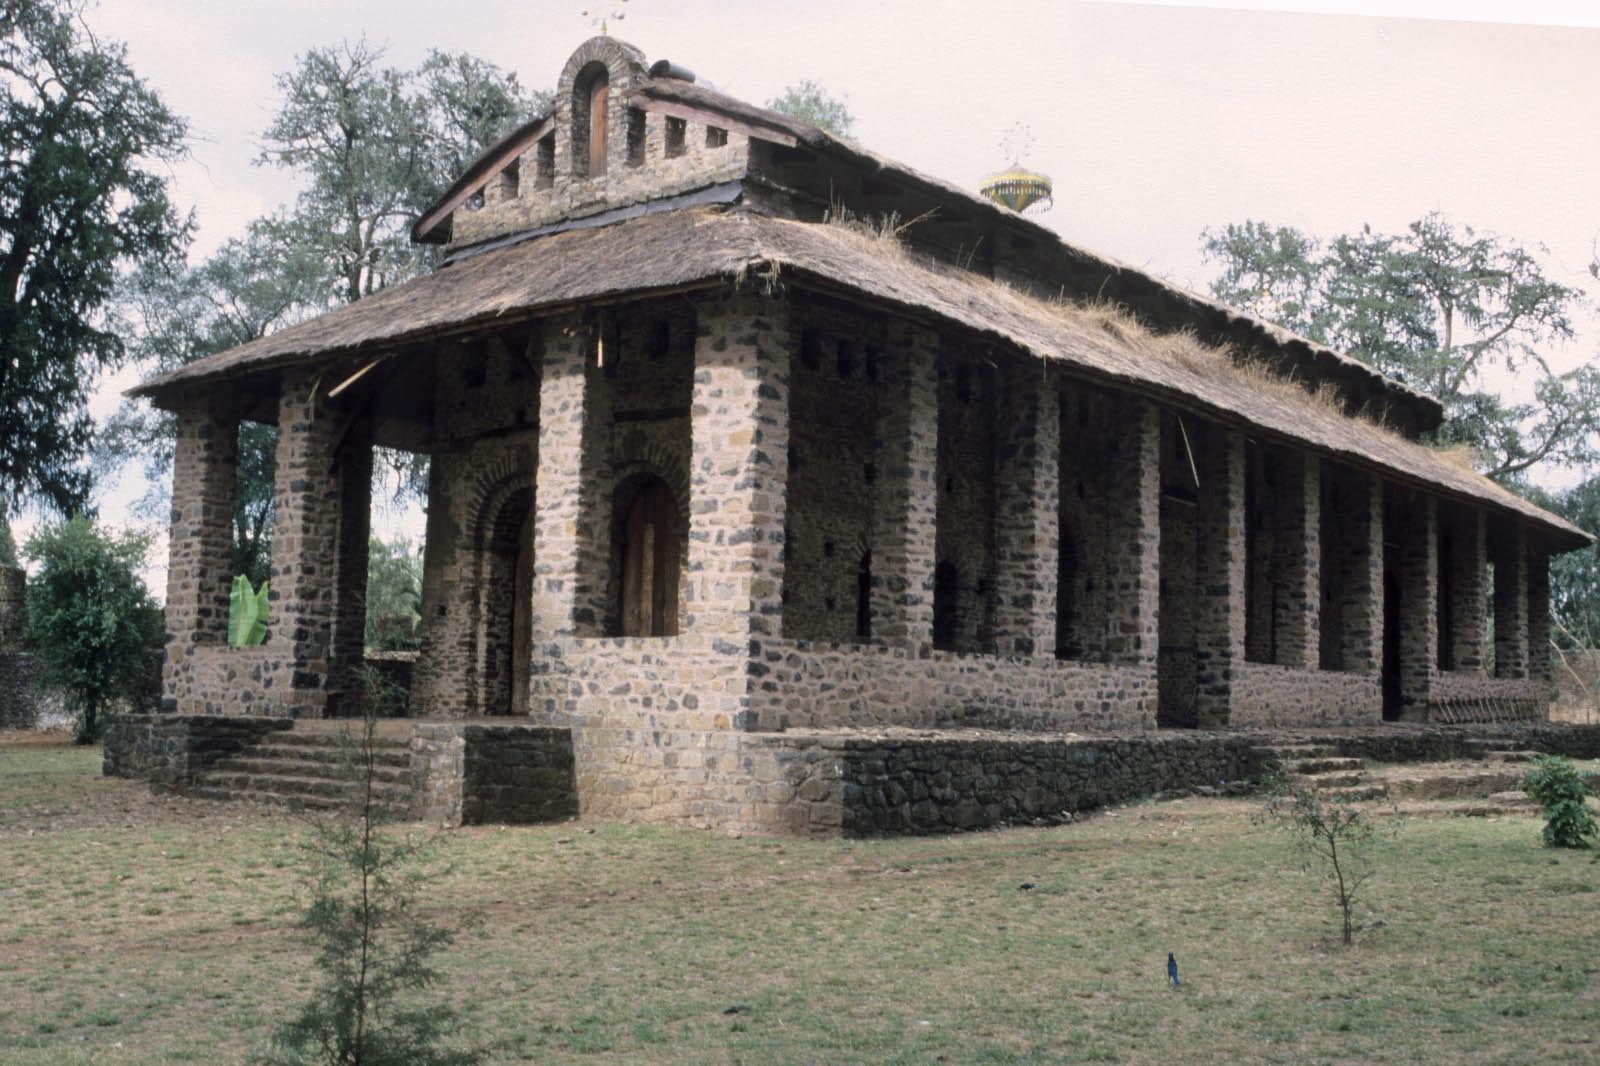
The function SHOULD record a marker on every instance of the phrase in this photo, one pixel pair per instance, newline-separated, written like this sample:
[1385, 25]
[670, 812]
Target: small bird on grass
[1172, 970]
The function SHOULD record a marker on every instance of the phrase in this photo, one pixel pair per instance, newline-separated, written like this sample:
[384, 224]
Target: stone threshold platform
[832, 782]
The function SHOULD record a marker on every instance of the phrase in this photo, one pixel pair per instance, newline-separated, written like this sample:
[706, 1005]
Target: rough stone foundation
[472, 774]
[168, 750]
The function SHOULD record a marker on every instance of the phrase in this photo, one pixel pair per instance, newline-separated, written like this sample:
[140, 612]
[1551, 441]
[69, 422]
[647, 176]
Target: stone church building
[748, 444]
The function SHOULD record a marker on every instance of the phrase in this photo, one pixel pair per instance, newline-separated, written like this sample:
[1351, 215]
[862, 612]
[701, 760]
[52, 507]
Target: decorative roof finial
[1017, 187]
[598, 17]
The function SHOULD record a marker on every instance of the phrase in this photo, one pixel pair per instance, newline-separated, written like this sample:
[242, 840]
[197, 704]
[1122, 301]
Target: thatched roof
[1117, 280]
[703, 246]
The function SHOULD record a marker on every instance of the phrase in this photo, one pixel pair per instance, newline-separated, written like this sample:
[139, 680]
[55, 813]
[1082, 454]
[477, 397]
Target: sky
[1154, 121]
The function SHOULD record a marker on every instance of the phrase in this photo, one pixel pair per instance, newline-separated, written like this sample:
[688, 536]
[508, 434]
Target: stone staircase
[1502, 748]
[1319, 768]
[302, 768]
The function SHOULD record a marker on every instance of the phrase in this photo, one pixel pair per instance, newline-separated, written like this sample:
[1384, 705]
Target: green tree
[90, 618]
[8, 543]
[374, 950]
[810, 102]
[1574, 576]
[394, 595]
[375, 146]
[82, 194]
[1439, 307]
[1342, 840]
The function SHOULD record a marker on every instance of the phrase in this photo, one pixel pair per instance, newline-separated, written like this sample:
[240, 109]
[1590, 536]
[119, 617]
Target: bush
[90, 619]
[1555, 785]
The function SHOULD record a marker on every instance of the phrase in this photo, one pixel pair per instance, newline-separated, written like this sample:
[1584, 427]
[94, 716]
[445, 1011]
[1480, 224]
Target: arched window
[590, 96]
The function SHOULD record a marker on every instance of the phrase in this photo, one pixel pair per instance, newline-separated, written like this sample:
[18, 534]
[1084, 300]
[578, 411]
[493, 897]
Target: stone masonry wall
[964, 580]
[1267, 696]
[904, 784]
[834, 408]
[815, 685]
[668, 156]
[468, 773]
[168, 750]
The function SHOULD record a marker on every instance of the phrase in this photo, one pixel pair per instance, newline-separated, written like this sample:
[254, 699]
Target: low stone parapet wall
[1458, 698]
[469, 773]
[168, 750]
[1266, 696]
[823, 685]
[901, 782]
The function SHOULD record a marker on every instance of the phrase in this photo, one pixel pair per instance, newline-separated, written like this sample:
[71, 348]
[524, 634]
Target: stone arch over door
[501, 623]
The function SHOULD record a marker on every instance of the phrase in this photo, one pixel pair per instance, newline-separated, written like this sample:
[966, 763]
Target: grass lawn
[148, 929]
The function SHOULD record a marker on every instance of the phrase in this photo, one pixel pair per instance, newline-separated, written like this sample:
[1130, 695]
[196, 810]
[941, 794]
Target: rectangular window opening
[545, 162]
[510, 180]
[716, 137]
[677, 134]
[636, 137]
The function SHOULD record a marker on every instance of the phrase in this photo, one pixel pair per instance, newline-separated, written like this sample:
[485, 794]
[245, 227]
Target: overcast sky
[1154, 121]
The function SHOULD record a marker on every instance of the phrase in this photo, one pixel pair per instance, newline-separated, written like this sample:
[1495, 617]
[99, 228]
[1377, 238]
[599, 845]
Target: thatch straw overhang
[705, 247]
[1115, 280]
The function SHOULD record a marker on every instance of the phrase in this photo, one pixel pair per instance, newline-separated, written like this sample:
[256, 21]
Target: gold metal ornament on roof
[1017, 187]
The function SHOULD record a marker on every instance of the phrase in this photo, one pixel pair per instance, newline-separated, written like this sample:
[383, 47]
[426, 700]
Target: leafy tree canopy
[1439, 307]
[810, 102]
[89, 617]
[81, 195]
[376, 145]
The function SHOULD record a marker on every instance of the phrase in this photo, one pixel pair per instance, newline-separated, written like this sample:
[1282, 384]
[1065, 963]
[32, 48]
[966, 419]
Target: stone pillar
[1466, 569]
[1415, 536]
[1219, 569]
[354, 471]
[571, 526]
[307, 495]
[1539, 651]
[200, 552]
[1361, 589]
[1511, 603]
[738, 470]
[1027, 513]
[1133, 535]
[1298, 608]
[905, 501]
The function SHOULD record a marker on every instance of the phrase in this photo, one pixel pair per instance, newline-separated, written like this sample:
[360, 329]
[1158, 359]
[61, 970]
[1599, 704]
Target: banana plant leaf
[247, 613]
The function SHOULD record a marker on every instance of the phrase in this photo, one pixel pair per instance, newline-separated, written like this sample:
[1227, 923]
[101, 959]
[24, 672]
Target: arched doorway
[649, 547]
[504, 627]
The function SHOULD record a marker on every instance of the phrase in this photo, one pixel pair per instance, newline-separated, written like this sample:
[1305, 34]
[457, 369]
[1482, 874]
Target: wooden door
[650, 566]
[598, 124]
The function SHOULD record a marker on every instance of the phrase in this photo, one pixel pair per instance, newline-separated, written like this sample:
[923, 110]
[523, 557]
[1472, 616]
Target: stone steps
[269, 794]
[1321, 769]
[311, 770]
[1324, 765]
[1282, 753]
[333, 755]
[258, 762]
[1353, 794]
[1337, 779]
